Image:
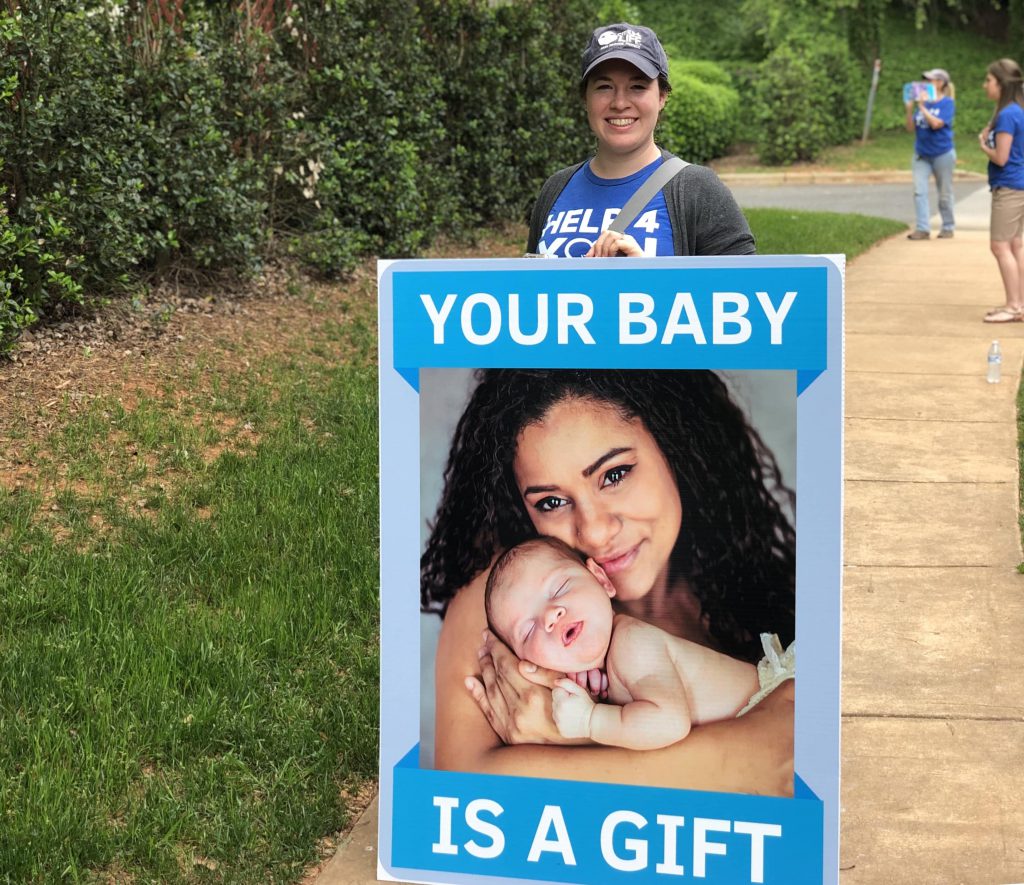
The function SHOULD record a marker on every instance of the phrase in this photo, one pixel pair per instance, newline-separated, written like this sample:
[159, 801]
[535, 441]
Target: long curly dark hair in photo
[736, 547]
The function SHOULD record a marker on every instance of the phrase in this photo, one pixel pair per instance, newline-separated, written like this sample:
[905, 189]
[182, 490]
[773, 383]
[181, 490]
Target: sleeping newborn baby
[553, 608]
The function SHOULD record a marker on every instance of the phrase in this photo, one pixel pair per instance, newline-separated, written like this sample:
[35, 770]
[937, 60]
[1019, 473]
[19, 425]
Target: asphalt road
[894, 201]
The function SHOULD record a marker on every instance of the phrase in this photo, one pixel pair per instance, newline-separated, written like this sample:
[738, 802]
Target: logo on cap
[629, 37]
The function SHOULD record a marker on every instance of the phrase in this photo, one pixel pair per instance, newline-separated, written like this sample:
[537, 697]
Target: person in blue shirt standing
[624, 85]
[1003, 143]
[932, 124]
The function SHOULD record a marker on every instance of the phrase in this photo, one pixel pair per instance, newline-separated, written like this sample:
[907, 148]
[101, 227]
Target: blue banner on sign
[559, 831]
[717, 318]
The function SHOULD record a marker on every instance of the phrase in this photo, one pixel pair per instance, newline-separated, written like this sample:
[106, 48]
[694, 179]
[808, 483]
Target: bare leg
[1007, 257]
[1017, 248]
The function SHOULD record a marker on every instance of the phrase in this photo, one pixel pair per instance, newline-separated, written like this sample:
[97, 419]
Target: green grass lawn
[189, 649]
[894, 150]
[786, 232]
[883, 152]
[188, 629]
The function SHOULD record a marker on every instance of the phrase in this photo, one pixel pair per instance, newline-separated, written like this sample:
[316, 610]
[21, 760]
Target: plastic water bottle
[995, 359]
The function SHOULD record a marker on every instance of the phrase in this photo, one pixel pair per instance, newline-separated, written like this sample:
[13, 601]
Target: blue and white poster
[611, 536]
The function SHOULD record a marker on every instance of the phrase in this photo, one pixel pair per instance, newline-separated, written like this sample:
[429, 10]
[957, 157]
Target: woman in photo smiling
[658, 477]
[625, 85]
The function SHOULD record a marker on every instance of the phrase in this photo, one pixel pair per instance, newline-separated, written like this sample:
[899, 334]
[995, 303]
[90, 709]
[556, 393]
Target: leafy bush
[118, 160]
[196, 131]
[68, 204]
[705, 71]
[700, 118]
[511, 92]
[703, 29]
[329, 129]
[808, 96]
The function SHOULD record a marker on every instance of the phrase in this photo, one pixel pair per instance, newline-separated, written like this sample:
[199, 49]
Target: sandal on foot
[1005, 315]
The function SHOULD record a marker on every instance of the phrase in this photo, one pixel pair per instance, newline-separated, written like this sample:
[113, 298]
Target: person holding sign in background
[934, 155]
[1002, 141]
[656, 476]
[624, 86]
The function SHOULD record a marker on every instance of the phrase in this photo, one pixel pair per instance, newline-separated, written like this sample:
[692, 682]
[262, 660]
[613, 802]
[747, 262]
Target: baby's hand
[571, 708]
[595, 681]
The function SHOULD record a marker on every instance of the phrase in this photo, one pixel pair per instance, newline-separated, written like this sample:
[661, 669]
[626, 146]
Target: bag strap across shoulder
[659, 178]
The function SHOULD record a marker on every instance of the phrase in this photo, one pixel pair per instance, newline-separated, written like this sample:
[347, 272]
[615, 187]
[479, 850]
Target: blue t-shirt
[1010, 119]
[588, 205]
[933, 142]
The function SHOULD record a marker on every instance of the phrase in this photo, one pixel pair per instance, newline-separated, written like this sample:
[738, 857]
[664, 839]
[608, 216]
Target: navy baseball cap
[633, 43]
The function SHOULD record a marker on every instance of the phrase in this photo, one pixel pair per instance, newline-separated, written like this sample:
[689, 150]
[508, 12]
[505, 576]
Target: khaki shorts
[1007, 214]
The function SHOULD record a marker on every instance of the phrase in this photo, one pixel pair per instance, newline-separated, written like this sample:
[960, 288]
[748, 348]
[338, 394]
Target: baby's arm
[660, 719]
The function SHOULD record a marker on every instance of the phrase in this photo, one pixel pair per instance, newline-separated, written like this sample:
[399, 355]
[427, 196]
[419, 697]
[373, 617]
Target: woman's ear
[602, 578]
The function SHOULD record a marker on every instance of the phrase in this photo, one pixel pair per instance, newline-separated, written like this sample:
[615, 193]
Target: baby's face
[554, 611]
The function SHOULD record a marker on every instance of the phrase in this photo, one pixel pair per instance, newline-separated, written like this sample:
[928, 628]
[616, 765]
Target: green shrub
[18, 247]
[117, 162]
[611, 11]
[511, 92]
[700, 118]
[360, 178]
[703, 29]
[198, 132]
[706, 71]
[808, 96]
[344, 128]
[70, 181]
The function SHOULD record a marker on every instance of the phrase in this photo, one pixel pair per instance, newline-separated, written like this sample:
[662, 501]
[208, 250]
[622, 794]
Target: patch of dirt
[148, 348]
[154, 349]
[149, 351]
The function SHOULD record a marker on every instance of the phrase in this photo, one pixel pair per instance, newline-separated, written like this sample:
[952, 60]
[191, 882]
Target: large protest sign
[770, 328]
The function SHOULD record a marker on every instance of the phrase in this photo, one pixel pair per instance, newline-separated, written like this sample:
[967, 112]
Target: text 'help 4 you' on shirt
[588, 205]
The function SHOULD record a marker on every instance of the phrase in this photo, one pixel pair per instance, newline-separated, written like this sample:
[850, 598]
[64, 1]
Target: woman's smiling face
[601, 484]
[623, 106]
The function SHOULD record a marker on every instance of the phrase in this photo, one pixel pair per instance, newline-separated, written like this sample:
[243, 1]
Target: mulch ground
[130, 348]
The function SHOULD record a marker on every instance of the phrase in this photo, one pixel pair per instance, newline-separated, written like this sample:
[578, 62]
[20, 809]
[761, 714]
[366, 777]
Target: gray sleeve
[537, 215]
[545, 200]
[712, 221]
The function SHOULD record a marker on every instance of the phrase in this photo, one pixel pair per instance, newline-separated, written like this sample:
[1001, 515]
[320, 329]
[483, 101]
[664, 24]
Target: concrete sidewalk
[933, 690]
[933, 686]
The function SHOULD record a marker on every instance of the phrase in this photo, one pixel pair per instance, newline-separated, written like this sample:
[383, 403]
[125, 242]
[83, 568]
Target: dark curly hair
[736, 548]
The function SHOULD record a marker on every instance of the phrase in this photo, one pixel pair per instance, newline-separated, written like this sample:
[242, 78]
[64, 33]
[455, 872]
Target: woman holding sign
[625, 85]
[656, 476]
[1003, 143]
[931, 121]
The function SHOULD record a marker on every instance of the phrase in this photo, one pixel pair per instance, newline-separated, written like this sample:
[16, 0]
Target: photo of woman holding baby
[656, 477]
